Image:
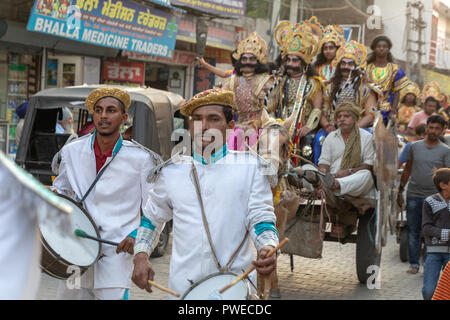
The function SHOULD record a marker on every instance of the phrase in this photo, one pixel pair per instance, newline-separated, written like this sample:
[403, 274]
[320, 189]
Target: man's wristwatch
[350, 170]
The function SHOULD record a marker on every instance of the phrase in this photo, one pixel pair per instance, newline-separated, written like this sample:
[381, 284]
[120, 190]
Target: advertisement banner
[219, 7]
[219, 35]
[123, 72]
[114, 24]
[182, 58]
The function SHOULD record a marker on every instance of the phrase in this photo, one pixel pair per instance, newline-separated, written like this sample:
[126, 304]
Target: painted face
[248, 62]
[293, 65]
[208, 127]
[382, 49]
[409, 98]
[346, 66]
[108, 116]
[329, 50]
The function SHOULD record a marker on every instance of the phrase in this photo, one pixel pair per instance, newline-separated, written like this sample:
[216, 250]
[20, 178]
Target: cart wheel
[404, 244]
[366, 254]
[160, 249]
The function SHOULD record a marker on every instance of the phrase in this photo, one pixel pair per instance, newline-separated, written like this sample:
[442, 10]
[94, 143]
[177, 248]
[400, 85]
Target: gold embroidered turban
[253, 44]
[332, 33]
[103, 92]
[352, 50]
[301, 39]
[209, 97]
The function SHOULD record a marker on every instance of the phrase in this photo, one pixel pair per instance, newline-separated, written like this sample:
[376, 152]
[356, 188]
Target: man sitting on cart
[347, 159]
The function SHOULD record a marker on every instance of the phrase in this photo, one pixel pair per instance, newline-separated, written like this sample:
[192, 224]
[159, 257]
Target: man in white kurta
[348, 154]
[236, 196]
[114, 203]
[359, 183]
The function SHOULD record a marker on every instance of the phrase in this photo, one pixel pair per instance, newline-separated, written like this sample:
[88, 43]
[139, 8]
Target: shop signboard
[219, 35]
[123, 73]
[219, 7]
[182, 58]
[121, 25]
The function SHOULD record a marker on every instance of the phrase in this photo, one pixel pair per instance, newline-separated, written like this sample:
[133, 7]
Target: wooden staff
[160, 287]
[246, 273]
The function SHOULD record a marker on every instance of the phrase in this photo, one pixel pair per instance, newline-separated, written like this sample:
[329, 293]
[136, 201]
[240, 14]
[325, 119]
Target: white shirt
[114, 203]
[236, 197]
[333, 149]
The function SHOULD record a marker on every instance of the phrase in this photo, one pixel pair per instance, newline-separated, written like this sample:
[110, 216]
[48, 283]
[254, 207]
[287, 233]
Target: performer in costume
[299, 89]
[386, 74]
[115, 201]
[409, 105]
[250, 83]
[236, 199]
[347, 86]
[24, 204]
[445, 110]
[332, 39]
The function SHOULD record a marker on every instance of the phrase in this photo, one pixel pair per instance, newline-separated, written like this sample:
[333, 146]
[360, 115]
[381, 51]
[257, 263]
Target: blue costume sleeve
[146, 223]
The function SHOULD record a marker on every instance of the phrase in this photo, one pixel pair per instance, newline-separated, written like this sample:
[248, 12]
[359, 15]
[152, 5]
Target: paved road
[333, 277]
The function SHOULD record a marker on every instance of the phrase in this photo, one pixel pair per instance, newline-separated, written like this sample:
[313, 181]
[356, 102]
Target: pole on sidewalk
[44, 69]
[294, 11]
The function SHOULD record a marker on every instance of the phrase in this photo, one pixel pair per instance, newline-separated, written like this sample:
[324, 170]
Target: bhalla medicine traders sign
[114, 24]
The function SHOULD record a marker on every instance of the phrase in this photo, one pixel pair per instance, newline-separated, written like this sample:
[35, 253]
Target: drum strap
[96, 179]
[205, 224]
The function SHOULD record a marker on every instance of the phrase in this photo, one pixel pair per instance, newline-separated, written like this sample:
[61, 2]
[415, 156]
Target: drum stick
[160, 287]
[246, 273]
[80, 233]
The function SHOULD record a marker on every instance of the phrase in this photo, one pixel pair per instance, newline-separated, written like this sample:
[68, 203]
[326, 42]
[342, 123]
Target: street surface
[331, 278]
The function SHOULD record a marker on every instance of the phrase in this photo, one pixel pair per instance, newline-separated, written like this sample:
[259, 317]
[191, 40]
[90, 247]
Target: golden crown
[253, 44]
[301, 39]
[103, 92]
[351, 50]
[209, 97]
[432, 89]
[332, 33]
[411, 87]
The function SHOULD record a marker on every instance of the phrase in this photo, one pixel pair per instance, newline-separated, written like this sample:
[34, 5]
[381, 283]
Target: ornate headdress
[411, 87]
[209, 97]
[432, 89]
[253, 44]
[301, 39]
[332, 33]
[352, 50]
[103, 92]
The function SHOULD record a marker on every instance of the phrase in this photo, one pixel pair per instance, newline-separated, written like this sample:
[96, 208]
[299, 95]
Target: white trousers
[84, 290]
[64, 293]
[358, 184]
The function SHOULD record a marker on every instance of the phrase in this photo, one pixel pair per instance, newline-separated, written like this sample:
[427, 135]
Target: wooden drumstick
[160, 287]
[246, 273]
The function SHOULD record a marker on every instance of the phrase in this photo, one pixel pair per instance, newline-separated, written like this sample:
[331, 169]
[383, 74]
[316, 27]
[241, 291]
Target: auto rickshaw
[152, 115]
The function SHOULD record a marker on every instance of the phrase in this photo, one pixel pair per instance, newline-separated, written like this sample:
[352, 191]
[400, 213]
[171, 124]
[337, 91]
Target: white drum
[208, 288]
[59, 251]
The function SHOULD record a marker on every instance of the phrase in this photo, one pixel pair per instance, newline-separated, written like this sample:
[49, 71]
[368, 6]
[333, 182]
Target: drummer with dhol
[219, 201]
[115, 199]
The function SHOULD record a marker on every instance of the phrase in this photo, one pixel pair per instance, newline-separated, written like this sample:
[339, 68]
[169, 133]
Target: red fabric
[100, 158]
